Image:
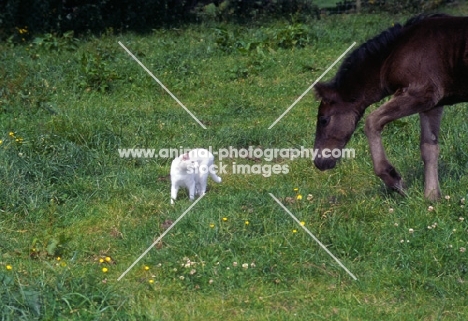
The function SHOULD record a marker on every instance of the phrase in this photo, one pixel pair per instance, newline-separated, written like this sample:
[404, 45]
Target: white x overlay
[312, 86]
[162, 85]
[160, 237]
[271, 126]
[313, 236]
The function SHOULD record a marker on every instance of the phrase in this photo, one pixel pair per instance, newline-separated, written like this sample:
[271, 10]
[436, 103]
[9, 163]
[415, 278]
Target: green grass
[66, 193]
[325, 3]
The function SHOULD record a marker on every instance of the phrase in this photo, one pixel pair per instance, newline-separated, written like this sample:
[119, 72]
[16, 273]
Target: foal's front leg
[402, 104]
[430, 125]
[382, 167]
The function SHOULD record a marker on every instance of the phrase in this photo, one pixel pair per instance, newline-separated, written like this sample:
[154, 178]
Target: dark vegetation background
[97, 16]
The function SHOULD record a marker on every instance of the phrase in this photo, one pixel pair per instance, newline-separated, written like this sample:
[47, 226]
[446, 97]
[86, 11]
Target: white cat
[191, 170]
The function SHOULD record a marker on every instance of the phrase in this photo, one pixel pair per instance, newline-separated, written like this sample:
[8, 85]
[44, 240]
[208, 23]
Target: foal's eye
[323, 120]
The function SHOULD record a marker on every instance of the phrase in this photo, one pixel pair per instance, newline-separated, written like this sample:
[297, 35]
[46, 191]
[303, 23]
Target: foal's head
[336, 121]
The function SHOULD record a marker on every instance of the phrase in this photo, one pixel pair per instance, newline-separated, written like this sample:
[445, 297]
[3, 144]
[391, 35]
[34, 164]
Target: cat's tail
[215, 177]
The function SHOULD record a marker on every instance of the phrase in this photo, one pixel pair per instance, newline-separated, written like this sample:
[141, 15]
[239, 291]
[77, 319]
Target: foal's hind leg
[404, 103]
[430, 125]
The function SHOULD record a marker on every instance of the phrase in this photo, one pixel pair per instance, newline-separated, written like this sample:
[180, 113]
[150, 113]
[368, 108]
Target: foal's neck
[364, 88]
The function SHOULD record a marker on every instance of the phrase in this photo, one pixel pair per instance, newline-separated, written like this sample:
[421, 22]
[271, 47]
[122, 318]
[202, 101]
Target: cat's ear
[185, 157]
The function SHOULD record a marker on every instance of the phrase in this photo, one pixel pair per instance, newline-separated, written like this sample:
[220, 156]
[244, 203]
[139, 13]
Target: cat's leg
[191, 189]
[174, 190]
[202, 185]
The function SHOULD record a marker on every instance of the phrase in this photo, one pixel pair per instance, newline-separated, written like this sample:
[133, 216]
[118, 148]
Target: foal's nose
[324, 163]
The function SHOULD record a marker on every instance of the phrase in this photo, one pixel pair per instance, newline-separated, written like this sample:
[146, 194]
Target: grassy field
[74, 215]
[325, 3]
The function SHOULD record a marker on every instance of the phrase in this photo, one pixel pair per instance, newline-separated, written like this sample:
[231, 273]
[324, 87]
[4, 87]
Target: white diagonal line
[311, 86]
[161, 84]
[313, 236]
[160, 237]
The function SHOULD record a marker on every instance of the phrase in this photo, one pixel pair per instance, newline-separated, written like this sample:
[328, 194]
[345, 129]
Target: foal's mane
[378, 47]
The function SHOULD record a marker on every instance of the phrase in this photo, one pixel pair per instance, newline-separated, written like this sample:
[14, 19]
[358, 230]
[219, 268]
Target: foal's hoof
[400, 188]
[432, 195]
[390, 177]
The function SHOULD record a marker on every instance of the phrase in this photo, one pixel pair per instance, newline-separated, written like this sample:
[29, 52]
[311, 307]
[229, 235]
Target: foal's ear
[327, 93]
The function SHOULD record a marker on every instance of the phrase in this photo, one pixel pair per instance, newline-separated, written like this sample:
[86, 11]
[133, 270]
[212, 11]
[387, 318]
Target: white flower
[182, 277]
[390, 210]
[447, 197]
[210, 281]
[462, 250]
[193, 271]
[396, 224]
[245, 265]
[430, 208]
[461, 219]
[234, 264]
[252, 265]
[411, 231]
